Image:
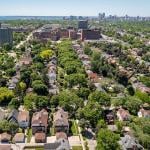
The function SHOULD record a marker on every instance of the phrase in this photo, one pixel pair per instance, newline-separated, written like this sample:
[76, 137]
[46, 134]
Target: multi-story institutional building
[83, 24]
[6, 36]
[90, 35]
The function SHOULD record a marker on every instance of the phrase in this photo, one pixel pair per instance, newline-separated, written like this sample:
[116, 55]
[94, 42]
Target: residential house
[61, 135]
[61, 123]
[39, 121]
[123, 115]
[23, 119]
[5, 147]
[60, 144]
[25, 59]
[112, 128]
[52, 77]
[5, 138]
[54, 60]
[140, 86]
[40, 137]
[144, 113]
[19, 138]
[13, 82]
[13, 116]
[110, 117]
[93, 77]
[129, 143]
[53, 89]
[84, 57]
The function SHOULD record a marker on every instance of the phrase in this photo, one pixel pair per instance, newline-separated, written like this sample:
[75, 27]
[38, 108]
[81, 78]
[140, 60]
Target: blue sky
[74, 7]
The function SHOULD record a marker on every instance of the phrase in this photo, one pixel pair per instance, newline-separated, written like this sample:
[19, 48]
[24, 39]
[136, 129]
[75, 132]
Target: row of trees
[74, 71]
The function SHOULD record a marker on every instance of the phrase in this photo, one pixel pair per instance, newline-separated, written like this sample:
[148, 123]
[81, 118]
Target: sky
[74, 7]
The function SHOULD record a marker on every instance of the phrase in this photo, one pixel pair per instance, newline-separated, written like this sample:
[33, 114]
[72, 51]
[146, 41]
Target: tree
[91, 112]
[5, 95]
[3, 81]
[25, 75]
[76, 79]
[6, 126]
[33, 101]
[101, 124]
[133, 104]
[83, 92]
[69, 101]
[87, 50]
[11, 72]
[100, 97]
[46, 54]
[39, 87]
[14, 103]
[143, 96]
[7, 46]
[107, 140]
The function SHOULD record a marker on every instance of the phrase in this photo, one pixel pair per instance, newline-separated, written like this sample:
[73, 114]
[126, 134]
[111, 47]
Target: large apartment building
[6, 36]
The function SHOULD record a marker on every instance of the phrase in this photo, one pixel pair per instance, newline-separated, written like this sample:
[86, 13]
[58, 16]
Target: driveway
[74, 141]
[51, 139]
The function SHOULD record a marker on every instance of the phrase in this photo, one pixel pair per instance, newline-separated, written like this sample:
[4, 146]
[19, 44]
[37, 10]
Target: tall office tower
[6, 36]
[83, 24]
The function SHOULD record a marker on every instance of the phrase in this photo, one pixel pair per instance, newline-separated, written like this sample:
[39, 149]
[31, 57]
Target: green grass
[52, 133]
[74, 128]
[77, 148]
[29, 135]
[34, 147]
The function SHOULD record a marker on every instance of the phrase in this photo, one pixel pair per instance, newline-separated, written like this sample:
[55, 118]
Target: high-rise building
[6, 36]
[83, 24]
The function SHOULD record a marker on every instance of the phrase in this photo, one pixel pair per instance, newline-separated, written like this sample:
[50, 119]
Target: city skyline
[75, 8]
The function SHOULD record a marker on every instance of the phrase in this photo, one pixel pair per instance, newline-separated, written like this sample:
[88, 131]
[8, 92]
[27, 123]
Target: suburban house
[93, 77]
[54, 60]
[61, 135]
[129, 143]
[123, 115]
[13, 82]
[39, 121]
[144, 113]
[40, 137]
[110, 117]
[52, 77]
[60, 144]
[53, 89]
[13, 116]
[23, 119]
[5, 138]
[19, 138]
[5, 147]
[61, 123]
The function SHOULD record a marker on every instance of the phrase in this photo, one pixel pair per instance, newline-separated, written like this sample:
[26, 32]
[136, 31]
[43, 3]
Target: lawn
[33, 147]
[77, 148]
[74, 128]
[52, 132]
[29, 135]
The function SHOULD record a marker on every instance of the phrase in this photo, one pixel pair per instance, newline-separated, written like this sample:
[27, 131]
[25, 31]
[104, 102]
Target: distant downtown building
[83, 24]
[6, 36]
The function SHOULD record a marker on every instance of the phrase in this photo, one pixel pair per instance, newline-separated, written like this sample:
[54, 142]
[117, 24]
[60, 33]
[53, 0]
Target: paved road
[81, 137]
[26, 40]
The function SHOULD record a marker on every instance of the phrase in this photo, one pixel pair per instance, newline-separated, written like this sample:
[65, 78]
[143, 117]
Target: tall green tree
[107, 140]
